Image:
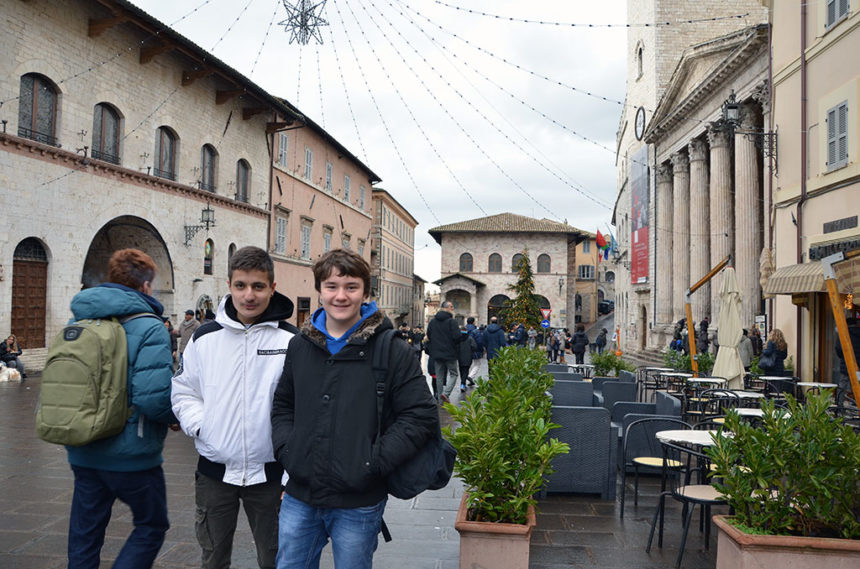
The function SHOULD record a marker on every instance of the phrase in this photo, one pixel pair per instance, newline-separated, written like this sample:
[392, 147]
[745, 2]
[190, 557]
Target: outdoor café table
[774, 383]
[749, 397]
[673, 381]
[649, 380]
[585, 369]
[687, 437]
[709, 381]
[805, 386]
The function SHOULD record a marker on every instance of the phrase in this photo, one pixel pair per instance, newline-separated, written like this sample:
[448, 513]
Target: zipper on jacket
[244, 398]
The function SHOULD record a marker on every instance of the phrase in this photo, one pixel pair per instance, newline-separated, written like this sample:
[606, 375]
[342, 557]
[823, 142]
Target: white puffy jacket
[222, 393]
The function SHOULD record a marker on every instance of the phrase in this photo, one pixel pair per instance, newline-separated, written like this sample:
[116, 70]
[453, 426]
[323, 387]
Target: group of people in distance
[284, 420]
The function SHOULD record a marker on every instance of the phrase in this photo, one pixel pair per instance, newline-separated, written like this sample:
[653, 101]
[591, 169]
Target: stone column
[748, 213]
[473, 304]
[700, 227]
[722, 208]
[664, 244]
[681, 232]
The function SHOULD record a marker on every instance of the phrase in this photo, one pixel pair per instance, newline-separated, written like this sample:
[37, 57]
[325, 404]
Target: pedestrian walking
[185, 330]
[477, 337]
[126, 466]
[578, 343]
[443, 336]
[494, 338]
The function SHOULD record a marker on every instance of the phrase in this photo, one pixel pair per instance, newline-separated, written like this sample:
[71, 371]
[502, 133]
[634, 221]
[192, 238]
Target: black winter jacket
[578, 343]
[444, 337]
[324, 417]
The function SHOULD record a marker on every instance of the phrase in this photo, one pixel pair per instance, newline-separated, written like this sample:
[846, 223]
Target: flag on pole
[601, 240]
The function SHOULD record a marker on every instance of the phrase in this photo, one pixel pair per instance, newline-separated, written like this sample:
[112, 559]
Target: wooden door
[29, 297]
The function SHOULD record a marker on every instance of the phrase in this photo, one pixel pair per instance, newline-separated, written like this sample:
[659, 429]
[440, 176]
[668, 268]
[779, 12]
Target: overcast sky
[477, 135]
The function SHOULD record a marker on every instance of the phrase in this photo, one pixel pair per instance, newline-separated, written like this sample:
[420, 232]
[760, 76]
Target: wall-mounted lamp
[764, 139]
[560, 285]
[207, 219]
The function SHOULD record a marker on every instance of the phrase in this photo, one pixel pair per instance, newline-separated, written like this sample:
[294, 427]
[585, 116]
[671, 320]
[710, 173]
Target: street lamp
[764, 139]
[207, 219]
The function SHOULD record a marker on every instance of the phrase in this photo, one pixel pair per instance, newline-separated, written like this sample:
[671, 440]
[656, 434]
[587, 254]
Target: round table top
[658, 369]
[709, 380]
[700, 438]
[775, 378]
[676, 374]
[815, 384]
[749, 394]
[744, 412]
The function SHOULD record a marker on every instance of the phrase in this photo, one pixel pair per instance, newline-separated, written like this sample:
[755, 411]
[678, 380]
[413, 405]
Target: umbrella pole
[691, 333]
[839, 316]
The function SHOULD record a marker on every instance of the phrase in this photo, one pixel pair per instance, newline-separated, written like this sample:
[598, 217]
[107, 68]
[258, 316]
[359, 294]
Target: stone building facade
[119, 132]
[478, 264]
[322, 200]
[393, 259]
[815, 194]
[670, 71]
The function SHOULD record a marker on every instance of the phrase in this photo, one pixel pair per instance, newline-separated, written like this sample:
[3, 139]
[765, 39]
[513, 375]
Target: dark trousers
[94, 495]
[217, 513]
[580, 357]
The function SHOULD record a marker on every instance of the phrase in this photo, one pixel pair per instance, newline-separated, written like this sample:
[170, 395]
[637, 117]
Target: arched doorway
[642, 326]
[29, 293]
[462, 302]
[126, 232]
[495, 306]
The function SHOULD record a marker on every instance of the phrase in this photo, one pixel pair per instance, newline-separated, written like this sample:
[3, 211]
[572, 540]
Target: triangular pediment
[701, 68]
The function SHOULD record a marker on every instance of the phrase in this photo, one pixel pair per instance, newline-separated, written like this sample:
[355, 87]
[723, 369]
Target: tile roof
[505, 223]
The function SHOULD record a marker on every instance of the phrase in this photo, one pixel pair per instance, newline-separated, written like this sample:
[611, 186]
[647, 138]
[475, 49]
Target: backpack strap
[284, 325]
[379, 361]
[131, 317]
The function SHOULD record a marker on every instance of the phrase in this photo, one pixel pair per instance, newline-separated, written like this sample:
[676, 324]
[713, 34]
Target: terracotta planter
[739, 550]
[488, 545]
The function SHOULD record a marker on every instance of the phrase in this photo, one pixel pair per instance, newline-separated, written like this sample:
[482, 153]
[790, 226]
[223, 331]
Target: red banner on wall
[639, 226]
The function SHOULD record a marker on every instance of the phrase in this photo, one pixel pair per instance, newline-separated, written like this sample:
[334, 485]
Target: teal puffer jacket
[150, 369]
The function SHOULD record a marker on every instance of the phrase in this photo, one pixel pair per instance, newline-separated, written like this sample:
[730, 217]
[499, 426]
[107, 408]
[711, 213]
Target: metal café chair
[641, 450]
[688, 484]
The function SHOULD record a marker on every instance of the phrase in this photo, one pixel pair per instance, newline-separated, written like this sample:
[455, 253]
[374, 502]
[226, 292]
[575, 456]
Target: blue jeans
[303, 531]
[94, 495]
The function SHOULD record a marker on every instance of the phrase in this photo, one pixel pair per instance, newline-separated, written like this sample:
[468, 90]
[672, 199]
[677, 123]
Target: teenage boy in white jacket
[222, 396]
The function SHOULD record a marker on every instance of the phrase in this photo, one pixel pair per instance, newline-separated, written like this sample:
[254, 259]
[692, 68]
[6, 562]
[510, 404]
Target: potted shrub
[793, 484]
[608, 363]
[503, 455]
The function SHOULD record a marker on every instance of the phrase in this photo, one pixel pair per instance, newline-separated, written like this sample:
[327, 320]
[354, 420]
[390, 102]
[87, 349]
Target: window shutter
[831, 13]
[842, 134]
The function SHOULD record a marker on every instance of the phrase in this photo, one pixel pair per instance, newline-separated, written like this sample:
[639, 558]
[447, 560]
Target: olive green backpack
[84, 393]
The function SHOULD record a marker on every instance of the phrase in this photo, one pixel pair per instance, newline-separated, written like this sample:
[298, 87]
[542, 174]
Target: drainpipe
[803, 173]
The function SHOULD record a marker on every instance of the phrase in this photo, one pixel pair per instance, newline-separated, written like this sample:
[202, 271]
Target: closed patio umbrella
[728, 364]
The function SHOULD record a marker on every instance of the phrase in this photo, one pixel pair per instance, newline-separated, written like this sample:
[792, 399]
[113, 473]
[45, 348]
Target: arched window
[208, 254]
[106, 123]
[543, 265]
[165, 153]
[515, 263]
[37, 109]
[243, 180]
[610, 277]
[466, 263]
[495, 263]
[208, 164]
[543, 302]
[230, 250]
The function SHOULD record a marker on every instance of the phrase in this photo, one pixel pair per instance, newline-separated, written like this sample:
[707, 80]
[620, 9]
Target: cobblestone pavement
[573, 531]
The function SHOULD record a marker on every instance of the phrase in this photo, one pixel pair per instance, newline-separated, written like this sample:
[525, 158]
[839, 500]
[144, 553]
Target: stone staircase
[651, 358]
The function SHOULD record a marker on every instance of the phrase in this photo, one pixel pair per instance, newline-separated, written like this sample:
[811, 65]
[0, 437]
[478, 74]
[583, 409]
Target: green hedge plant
[608, 363]
[503, 445]
[794, 474]
[681, 361]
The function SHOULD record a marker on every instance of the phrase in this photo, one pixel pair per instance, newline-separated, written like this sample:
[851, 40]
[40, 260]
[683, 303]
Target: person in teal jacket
[126, 466]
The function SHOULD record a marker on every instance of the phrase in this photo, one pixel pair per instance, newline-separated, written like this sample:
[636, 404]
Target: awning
[809, 277]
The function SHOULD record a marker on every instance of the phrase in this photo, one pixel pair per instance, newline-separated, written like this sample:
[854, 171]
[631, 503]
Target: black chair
[710, 403]
[641, 450]
[688, 484]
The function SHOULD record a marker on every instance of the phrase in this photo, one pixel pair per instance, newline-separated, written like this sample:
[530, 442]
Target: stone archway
[495, 306]
[125, 232]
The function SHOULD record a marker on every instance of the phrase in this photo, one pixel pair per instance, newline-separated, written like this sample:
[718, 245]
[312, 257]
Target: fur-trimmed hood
[369, 327]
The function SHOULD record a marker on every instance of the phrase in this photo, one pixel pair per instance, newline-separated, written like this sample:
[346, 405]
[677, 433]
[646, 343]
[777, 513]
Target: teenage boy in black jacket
[324, 422]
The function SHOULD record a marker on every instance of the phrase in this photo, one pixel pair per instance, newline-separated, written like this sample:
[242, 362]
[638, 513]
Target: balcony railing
[164, 174]
[37, 136]
[107, 157]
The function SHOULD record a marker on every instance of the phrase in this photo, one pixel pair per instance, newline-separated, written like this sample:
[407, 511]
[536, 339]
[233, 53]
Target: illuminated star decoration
[304, 20]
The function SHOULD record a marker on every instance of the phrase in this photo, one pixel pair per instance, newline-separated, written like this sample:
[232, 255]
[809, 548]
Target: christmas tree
[524, 308]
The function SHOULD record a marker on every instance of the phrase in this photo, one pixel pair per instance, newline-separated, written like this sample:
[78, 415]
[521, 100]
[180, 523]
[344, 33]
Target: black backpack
[431, 468]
